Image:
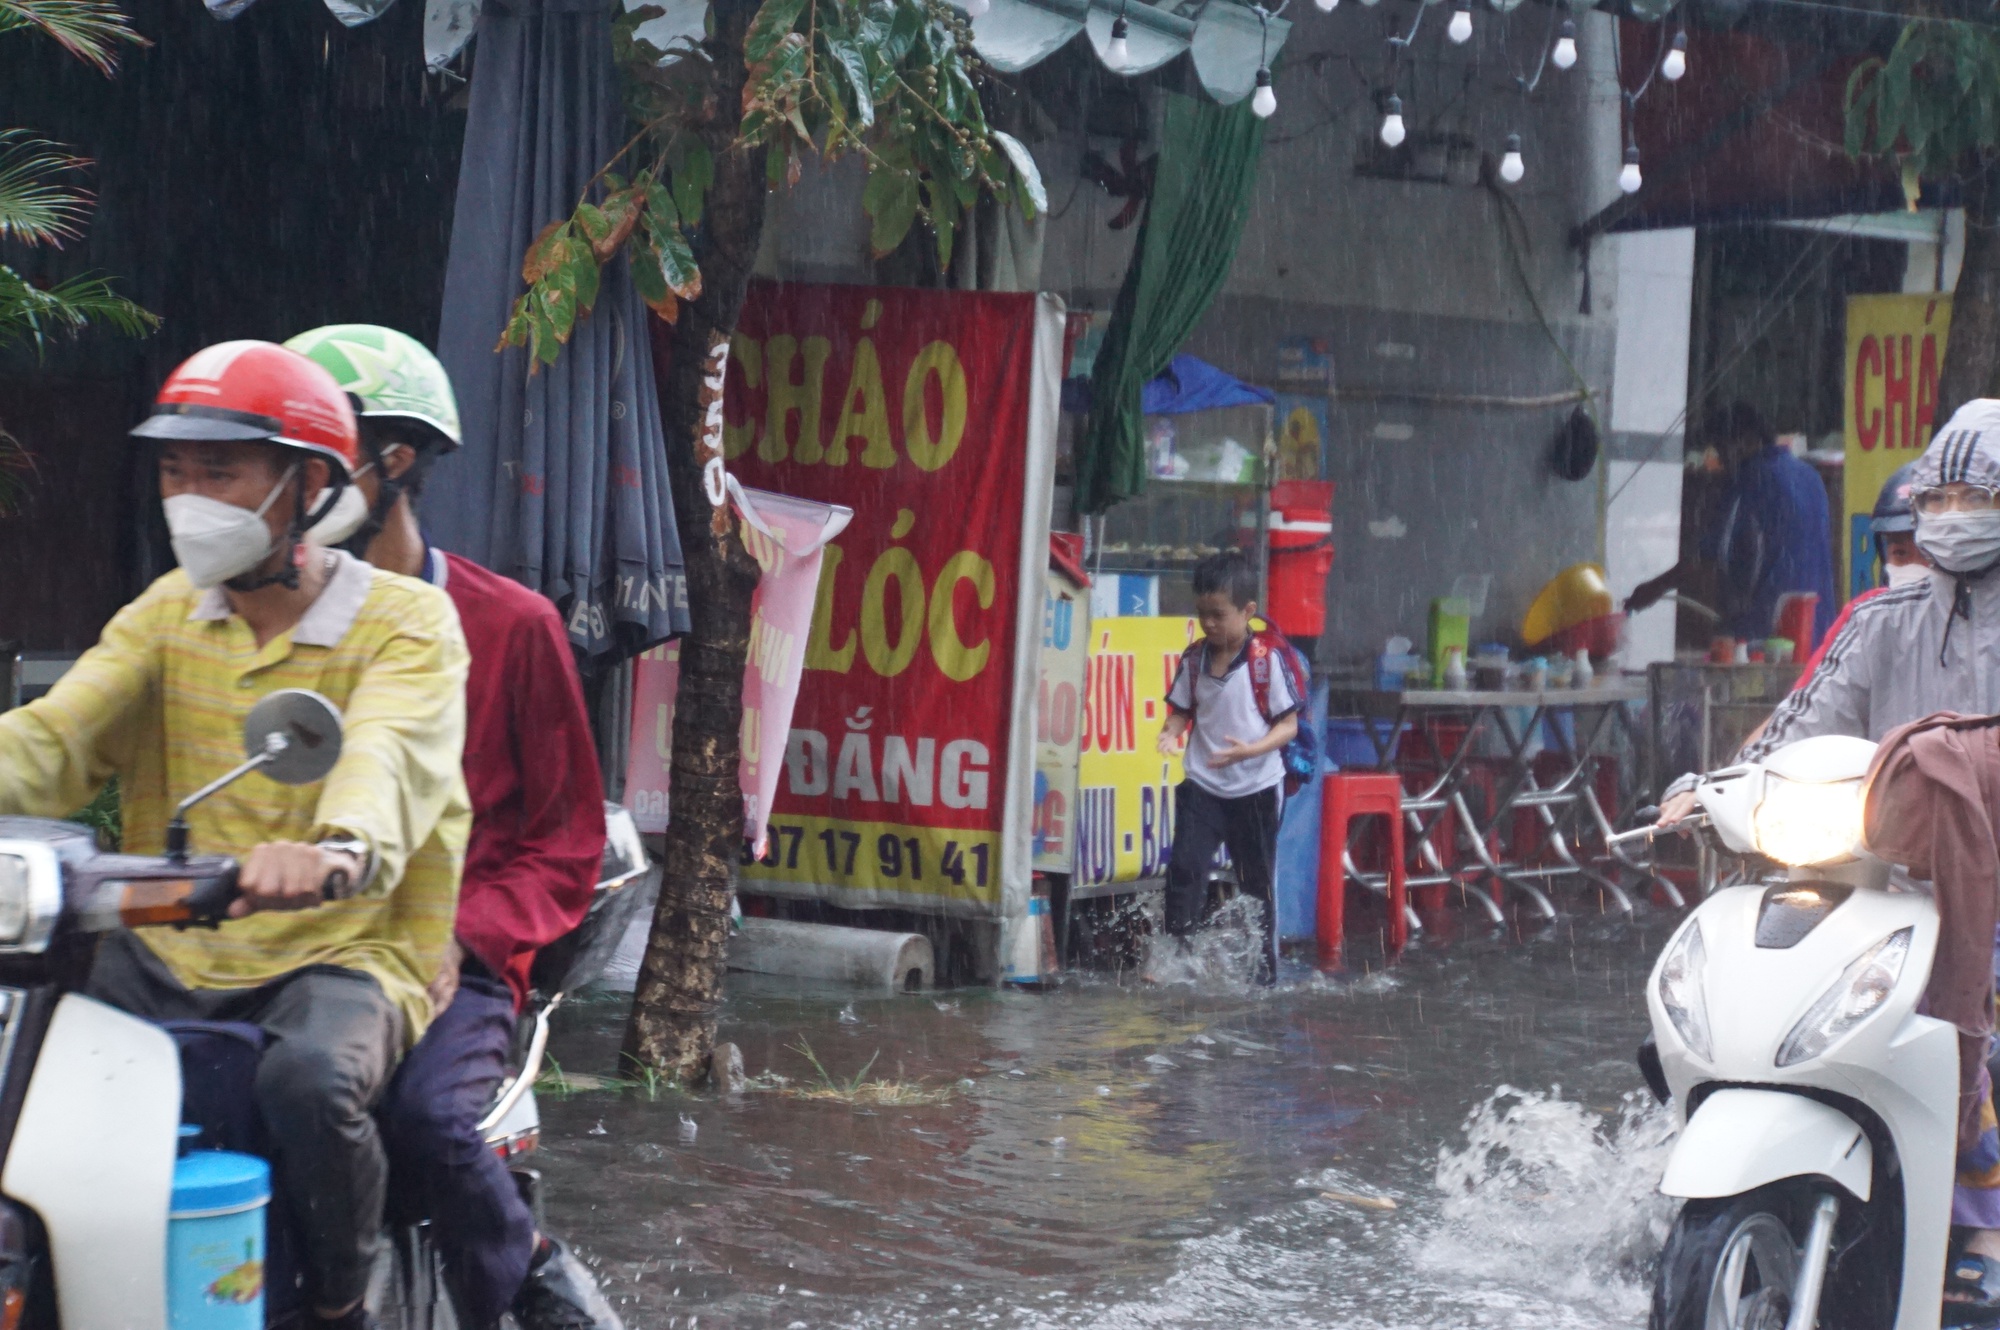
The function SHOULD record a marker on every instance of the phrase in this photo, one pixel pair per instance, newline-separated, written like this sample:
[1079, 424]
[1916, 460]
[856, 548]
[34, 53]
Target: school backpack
[1270, 649]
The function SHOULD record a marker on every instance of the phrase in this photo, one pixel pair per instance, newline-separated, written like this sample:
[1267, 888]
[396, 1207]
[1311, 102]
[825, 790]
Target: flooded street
[1187, 1154]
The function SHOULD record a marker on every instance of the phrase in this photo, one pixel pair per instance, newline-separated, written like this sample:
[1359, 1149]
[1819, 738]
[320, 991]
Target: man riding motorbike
[1930, 645]
[253, 441]
[537, 843]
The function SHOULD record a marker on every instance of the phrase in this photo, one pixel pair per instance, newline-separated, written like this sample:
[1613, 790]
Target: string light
[1676, 63]
[1460, 28]
[1564, 55]
[1328, 6]
[1118, 53]
[1393, 130]
[1512, 168]
[1629, 179]
[1265, 101]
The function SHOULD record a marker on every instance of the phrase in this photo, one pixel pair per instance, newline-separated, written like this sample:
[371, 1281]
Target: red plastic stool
[1343, 797]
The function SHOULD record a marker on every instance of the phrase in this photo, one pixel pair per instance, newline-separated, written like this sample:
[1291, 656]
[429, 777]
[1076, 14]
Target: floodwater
[1460, 1141]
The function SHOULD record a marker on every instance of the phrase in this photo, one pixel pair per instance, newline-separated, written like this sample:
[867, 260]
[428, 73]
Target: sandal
[1976, 1282]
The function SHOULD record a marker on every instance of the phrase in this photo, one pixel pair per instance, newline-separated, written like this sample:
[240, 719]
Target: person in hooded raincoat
[1929, 645]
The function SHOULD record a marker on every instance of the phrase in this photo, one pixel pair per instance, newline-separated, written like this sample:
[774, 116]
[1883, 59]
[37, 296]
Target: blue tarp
[1195, 385]
[1188, 385]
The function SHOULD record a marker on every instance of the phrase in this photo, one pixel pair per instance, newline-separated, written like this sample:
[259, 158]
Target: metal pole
[1812, 1274]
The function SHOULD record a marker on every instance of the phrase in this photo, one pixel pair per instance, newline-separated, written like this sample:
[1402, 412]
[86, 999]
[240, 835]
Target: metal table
[1600, 710]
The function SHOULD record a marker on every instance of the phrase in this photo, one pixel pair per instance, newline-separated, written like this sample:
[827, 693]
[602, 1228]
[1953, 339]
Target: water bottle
[215, 1242]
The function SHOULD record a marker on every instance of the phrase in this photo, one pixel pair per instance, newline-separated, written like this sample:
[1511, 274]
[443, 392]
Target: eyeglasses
[1957, 497]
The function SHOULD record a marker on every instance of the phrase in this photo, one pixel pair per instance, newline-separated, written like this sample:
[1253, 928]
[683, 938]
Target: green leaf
[647, 278]
[854, 70]
[34, 315]
[33, 207]
[904, 30]
[593, 221]
[694, 175]
[90, 30]
[890, 198]
[1032, 195]
[774, 21]
[677, 263]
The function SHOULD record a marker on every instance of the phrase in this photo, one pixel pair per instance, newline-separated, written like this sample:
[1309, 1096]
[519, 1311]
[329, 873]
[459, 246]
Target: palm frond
[34, 315]
[34, 207]
[90, 30]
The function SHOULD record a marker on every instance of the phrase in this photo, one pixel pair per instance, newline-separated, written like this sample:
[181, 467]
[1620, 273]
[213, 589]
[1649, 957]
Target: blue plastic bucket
[215, 1242]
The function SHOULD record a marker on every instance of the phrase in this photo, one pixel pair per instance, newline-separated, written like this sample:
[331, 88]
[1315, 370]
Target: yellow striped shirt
[160, 702]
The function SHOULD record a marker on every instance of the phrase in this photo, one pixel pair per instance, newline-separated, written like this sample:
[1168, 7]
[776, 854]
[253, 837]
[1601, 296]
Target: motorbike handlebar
[196, 895]
[1647, 832]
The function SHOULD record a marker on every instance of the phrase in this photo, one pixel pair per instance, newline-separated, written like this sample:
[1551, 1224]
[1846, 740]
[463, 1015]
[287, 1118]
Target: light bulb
[1118, 53]
[1629, 178]
[1565, 53]
[1460, 30]
[1676, 63]
[1393, 132]
[1512, 168]
[1327, 6]
[1371, 3]
[1265, 101]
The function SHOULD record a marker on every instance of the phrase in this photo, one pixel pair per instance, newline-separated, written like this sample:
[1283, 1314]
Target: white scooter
[91, 1098]
[1819, 1110]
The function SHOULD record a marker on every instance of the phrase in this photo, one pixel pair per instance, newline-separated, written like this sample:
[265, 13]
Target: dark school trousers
[334, 1036]
[1249, 827]
[443, 1171]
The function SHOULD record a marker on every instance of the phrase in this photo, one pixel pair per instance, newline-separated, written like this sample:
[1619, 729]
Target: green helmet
[395, 376]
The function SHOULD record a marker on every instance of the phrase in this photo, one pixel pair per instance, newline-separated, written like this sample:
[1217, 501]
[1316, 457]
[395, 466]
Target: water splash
[1551, 1192]
[1221, 955]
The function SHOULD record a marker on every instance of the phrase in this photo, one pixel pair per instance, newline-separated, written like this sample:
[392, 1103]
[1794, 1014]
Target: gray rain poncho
[1900, 656]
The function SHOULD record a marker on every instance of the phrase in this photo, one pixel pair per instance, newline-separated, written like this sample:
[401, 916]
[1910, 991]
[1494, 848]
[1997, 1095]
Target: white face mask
[1960, 542]
[1903, 574]
[342, 520]
[216, 541]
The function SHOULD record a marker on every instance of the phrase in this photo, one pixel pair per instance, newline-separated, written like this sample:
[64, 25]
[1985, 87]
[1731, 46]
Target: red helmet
[257, 390]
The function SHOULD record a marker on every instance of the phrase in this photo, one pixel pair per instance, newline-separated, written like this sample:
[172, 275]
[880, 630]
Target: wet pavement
[1191, 1153]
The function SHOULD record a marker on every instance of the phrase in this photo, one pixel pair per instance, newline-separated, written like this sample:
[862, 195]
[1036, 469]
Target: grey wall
[1411, 283]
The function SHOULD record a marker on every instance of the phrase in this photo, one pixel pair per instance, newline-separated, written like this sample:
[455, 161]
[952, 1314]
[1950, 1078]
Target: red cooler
[1301, 554]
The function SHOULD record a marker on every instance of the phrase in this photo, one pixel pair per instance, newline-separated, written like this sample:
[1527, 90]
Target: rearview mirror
[297, 733]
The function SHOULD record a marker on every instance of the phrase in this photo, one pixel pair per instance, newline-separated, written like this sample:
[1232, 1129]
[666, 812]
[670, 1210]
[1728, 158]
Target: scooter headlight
[1858, 994]
[1807, 822]
[1680, 991]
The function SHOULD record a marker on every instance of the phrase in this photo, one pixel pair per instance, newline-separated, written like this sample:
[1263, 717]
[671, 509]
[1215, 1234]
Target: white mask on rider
[342, 520]
[1960, 542]
[216, 541]
[1904, 574]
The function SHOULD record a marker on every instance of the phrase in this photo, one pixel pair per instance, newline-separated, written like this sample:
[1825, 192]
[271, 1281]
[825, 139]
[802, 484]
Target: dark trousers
[430, 1123]
[1249, 827]
[334, 1036]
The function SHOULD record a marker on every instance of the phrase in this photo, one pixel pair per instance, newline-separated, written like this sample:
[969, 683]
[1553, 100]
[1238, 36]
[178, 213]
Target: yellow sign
[1895, 348]
[1124, 823]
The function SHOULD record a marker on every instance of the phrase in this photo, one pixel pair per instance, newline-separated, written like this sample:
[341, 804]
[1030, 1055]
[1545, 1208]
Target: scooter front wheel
[1727, 1265]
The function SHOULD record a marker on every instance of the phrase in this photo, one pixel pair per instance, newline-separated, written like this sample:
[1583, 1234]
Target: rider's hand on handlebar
[1676, 810]
[289, 875]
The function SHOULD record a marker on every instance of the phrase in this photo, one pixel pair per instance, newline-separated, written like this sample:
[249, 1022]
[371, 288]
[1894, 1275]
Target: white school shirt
[1227, 707]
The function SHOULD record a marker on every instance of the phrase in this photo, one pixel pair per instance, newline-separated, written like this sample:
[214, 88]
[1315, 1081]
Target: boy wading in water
[1237, 708]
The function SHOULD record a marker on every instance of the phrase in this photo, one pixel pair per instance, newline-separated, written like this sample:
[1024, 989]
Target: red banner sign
[913, 408]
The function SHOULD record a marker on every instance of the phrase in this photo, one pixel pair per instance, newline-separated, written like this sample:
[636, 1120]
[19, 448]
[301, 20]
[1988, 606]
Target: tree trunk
[1972, 352]
[680, 981]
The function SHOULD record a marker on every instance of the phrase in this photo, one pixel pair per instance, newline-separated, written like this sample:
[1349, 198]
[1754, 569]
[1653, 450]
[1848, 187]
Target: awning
[562, 482]
[1226, 39]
